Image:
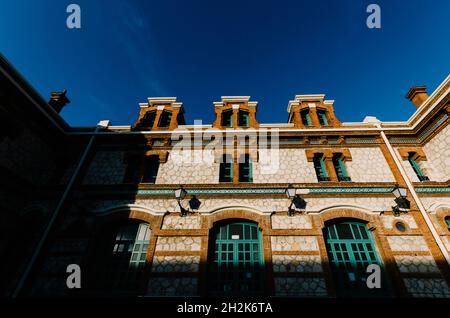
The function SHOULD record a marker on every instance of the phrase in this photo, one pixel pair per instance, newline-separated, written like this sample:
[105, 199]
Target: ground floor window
[235, 259]
[351, 248]
[127, 258]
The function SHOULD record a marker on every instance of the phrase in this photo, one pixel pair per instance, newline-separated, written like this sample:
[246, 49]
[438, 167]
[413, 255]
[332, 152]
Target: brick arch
[261, 220]
[352, 213]
[127, 213]
[442, 213]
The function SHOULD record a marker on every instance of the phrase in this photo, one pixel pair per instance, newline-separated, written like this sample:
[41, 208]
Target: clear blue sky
[198, 51]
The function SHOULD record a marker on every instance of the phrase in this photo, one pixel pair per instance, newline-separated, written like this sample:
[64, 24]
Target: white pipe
[44, 236]
[410, 186]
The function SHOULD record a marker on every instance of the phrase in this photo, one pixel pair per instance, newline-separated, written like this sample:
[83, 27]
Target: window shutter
[324, 173]
[415, 166]
[250, 170]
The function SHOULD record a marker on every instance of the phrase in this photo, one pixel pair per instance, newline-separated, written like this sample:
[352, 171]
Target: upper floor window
[339, 166]
[164, 121]
[306, 118]
[245, 169]
[320, 167]
[226, 169]
[149, 119]
[151, 167]
[132, 172]
[447, 221]
[244, 119]
[227, 118]
[321, 114]
[416, 167]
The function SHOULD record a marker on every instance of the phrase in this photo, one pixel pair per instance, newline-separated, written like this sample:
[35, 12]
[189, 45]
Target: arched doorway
[236, 262]
[351, 249]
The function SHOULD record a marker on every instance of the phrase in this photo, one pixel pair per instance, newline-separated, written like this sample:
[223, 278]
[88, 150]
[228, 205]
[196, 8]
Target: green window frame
[351, 248]
[339, 167]
[236, 262]
[245, 169]
[244, 118]
[227, 118]
[226, 169]
[320, 167]
[420, 175]
[322, 117]
[151, 167]
[306, 118]
[128, 257]
[164, 121]
[447, 221]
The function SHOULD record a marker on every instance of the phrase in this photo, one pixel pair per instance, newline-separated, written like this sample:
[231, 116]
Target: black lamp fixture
[194, 203]
[296, 201]
[403, 204]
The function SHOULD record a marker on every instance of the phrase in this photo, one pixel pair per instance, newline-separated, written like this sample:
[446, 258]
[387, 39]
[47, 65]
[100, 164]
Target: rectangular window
[133, 169]
[320, 167]
[149, 119]
[245, 169]
[322, 117]
[151, 167]
[306, 119]
[244, 120]
[339, 166]
[226, 169]
[416, 167]
[227, 119]
[164, 121]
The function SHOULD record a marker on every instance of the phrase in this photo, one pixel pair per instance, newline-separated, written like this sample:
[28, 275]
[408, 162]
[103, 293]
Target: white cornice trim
[310, 97]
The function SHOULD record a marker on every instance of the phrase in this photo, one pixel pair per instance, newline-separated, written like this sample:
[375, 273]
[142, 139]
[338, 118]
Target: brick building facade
[105, 198]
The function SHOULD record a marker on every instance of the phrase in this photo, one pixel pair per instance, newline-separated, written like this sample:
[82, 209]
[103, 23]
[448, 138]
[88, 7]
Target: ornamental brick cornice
[419, 154]
[328, 153]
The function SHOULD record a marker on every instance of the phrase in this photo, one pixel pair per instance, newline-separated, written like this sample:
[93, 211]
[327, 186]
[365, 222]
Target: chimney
[417, 95]
[58, 100]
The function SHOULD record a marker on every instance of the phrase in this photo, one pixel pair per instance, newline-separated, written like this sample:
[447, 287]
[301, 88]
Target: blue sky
[198, 51]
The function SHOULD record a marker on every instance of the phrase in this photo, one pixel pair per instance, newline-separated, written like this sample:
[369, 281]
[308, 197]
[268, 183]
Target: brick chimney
[58, 100]
[417, 95]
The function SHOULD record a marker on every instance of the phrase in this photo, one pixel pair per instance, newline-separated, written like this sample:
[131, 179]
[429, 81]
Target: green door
[236, 259]
[351, 249]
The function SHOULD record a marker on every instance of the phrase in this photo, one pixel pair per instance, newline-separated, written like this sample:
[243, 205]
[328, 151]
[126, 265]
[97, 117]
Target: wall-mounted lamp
[403, 204]
[194, 203]
[296, 201]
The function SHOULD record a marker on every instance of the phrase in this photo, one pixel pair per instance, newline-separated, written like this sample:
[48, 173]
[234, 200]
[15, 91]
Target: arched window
[236, 263]
[127, 257]
[351, 249]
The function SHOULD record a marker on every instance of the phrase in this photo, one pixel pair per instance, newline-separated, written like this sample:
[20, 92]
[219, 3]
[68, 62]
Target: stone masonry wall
[290, 165]
[368, 165]
[28, 156]
[437, 151]
[107, 167]
[184, 167]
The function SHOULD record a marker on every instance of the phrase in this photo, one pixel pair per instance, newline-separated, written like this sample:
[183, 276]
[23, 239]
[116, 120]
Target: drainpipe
[419, 204]
[102, 124]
